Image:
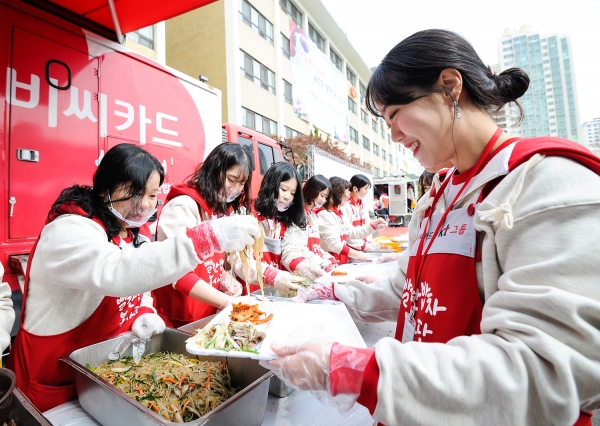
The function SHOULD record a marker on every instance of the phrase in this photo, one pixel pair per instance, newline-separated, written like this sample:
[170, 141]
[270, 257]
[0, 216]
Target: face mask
[282, 209]
[131, 223]
[229, 197]
[319, 205]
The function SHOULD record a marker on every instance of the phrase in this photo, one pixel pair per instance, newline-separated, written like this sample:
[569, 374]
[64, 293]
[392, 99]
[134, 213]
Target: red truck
[70, 95]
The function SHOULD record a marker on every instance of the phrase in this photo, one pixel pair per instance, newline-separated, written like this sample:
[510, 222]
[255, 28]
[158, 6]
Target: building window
[255, 20]
[292, 11]
[382, 133]
[353, 135]
[366, 144]
[259, 123]
[390, 158]
[350, 76]
[257, 72]
[364, 116]
[285, 46]
[374, 125]
[337, 61]
[384, 154]
[316, 38]
[363, 93]
[376, 172]
[389, 139]
[351, 105]
[376, 149]
[287, 92]
[291, 133]
[144, 36]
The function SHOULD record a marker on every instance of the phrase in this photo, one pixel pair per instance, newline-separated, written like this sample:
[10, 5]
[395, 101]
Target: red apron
[340, 258]
[314, 237]
[35, 359]
[440, 303]
[175, 307]
[358, 218]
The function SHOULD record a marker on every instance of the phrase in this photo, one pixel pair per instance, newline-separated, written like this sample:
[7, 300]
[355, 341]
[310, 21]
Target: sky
[375, 26]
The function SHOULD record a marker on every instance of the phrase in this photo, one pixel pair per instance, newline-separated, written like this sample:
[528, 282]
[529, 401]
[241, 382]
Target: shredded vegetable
[241, 337]
[178, 388]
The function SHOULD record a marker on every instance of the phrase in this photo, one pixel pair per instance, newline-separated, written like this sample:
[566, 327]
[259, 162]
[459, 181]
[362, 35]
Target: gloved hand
[147, 325]
[229, 285]
[305, 366]
[317, 291]
[309, 271]
[331, 267]
[391, 257]
[378, 223]
[283, 281]
[372, 245]
[367, 279]
[228, 233]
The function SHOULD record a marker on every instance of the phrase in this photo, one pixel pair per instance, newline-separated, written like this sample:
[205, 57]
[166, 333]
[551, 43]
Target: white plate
[293, 322]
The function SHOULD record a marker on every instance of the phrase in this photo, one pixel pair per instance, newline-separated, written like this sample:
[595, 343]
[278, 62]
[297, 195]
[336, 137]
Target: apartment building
[243, 48]
[550, 103]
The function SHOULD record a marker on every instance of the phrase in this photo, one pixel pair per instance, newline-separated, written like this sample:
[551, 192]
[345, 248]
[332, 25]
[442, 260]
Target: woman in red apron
[334, 229]
[219, 187]
[356, 214]
[279, 207]
[301, 248]
[497, 321]
[89, 272]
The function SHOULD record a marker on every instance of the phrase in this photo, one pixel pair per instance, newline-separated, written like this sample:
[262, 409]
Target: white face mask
[319, 205]
[282, 209]
[132, 223]
[229, 197]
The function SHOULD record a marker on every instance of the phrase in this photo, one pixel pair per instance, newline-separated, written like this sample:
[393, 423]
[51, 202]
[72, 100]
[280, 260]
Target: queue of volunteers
[497, 299]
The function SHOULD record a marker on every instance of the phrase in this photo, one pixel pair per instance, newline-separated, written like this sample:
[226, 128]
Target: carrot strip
[208, 380]
[153, 405]
[168, 379]
[262, 321]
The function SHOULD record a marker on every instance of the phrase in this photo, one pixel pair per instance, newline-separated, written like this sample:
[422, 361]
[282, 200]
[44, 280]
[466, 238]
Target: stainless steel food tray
[276, 387]
[110, 406]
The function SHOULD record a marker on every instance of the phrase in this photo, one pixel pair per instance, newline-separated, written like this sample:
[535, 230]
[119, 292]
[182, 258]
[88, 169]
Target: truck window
[265, 157]
[249, 147]
[277, 155]
[397, 189]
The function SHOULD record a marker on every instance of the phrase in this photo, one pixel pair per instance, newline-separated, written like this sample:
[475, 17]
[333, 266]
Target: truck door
[53, 130]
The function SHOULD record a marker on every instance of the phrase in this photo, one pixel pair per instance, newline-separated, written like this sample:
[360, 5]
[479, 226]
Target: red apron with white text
[45, 380]
[340, 258]
[314, 237]
[174, 307]
[358, 218]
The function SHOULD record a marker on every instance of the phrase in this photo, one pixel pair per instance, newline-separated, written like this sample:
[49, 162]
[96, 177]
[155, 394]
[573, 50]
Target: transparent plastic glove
[229, 285]
[330, 267]
[283, 281]
[309, 271]
[391, 257]
[305, 366]
[378, 224]
[361, 256]
[229, 233]
[317, 291]
[372, 245]
[147, 325]
[367, 279]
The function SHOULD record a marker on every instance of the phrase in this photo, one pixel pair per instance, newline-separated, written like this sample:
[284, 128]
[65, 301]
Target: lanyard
[419, 257]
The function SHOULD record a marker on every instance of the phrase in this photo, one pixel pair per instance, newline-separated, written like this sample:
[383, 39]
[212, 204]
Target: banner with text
[318, 87]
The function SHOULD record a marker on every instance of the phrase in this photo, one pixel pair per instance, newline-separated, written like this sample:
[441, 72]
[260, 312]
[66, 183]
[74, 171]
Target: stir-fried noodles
[178, 388]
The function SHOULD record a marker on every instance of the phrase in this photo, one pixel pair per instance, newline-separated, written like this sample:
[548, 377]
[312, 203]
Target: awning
[131, 15]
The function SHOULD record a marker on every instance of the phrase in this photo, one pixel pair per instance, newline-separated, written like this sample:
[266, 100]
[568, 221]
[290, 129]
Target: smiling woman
[483, 277]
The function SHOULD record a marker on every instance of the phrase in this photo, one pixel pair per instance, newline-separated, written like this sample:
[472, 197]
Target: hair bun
[512, 83]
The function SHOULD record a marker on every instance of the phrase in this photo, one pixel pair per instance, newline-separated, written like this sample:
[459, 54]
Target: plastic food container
[110, 406]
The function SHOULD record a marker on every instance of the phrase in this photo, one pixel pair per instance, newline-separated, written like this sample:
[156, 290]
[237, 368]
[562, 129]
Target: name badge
[408, 333]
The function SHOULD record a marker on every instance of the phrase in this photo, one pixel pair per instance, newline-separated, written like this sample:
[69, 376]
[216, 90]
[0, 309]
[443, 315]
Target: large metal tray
[276, 387]
[110, 406]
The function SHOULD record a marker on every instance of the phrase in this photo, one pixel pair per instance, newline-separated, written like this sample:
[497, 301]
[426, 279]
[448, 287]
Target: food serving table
[298, 408]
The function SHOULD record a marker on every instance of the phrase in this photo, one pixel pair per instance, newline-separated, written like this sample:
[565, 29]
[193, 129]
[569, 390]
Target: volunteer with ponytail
[219, 187]
[91, 266]
[334, 228]
[301, 248]
[355, 213]
[497, 299]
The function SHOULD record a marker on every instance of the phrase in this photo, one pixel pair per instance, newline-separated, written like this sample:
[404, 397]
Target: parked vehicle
[399, 211]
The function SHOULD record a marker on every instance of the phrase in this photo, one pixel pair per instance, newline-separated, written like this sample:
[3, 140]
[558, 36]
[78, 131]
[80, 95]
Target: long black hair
[358, 181]
[125, 166]
[266, 202]
[210, 177]
[314, 186]
[410, 70]
[338, 187]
